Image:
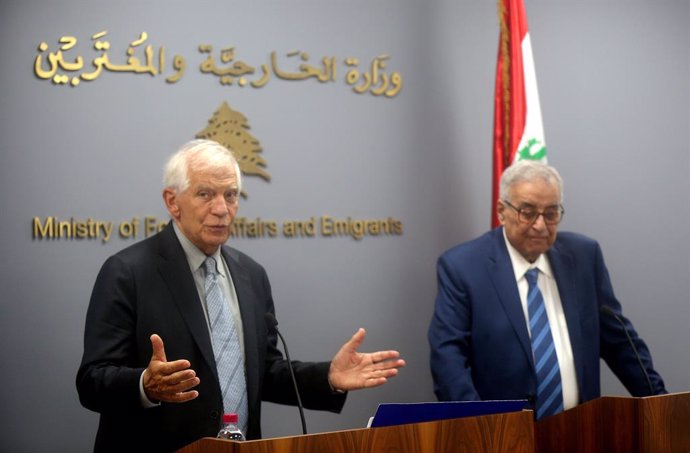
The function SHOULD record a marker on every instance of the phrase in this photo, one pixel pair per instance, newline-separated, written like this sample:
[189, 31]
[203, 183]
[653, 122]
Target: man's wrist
[333, 388]
[146, 402]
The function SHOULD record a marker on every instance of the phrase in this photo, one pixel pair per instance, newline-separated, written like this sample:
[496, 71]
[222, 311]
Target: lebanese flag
[518, 129]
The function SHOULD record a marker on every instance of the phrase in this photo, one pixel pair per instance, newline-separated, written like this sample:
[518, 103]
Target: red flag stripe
[509, 97]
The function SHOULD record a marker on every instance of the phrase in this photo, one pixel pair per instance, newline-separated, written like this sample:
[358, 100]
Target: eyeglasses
[529, 214]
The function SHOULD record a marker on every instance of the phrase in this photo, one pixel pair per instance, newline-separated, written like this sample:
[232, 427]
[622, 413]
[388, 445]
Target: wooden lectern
[500, 433]
[654, 424]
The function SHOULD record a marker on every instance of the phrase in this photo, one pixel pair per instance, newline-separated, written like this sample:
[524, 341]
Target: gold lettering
[45, 230]
[53, 228]
[358, 228]
[152, 225]
[327, 226]
[245, 228]
[296, 228]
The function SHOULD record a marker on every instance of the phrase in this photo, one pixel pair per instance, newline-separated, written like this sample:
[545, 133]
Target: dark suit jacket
[148, 288]
[480, 346]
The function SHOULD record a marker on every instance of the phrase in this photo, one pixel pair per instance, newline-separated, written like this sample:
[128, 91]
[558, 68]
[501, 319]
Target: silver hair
[528, 170]
[204, 153]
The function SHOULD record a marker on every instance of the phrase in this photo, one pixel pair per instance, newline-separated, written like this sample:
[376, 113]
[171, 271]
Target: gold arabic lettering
[141, 58]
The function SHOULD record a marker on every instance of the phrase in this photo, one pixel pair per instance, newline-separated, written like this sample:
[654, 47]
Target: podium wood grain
[665, 423]
[602, 425]
[501, 433]
[655, 424]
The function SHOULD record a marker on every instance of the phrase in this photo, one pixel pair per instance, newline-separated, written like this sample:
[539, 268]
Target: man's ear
[170, 199]
[499, 210]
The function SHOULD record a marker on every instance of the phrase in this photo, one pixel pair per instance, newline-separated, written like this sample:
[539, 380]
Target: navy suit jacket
[480, 346]
[148, 288]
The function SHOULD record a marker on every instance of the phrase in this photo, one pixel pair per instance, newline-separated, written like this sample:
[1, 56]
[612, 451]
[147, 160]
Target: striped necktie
[549, 389]
[226, 347]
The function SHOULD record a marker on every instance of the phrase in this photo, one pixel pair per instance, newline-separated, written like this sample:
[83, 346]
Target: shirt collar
[195, 257]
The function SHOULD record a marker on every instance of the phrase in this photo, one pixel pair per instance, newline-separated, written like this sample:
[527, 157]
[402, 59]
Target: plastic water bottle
[229, 430]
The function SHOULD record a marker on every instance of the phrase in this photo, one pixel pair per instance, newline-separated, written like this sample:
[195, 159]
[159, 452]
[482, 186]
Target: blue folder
[389, 414]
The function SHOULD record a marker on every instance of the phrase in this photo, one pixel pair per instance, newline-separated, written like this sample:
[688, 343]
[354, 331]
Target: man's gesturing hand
[353, 370]
[168, 381]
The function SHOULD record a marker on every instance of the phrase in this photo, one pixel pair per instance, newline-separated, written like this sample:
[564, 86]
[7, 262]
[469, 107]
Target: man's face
[530, 239]
[205, 210]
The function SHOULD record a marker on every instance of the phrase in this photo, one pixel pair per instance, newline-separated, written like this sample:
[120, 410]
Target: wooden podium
[655, 424]
[501, 433]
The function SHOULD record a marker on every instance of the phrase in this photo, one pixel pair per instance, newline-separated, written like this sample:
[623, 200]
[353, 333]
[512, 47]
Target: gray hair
[205, 154]
[528, 170]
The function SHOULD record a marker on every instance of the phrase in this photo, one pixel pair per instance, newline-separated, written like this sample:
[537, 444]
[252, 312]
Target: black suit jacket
[148, 288]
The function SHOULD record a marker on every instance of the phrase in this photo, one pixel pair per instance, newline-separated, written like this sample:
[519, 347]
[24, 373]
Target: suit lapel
[565, 274]
[502, 277]
[174, 270]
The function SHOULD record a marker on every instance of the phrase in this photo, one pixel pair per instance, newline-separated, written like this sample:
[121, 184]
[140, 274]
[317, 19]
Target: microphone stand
[609, 311]
[273, 325]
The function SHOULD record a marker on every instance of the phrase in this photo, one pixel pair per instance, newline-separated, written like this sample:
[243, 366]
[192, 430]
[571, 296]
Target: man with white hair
[177, 331]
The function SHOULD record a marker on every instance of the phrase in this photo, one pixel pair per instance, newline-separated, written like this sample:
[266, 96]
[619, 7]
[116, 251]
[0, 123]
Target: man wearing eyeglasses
[525, 312]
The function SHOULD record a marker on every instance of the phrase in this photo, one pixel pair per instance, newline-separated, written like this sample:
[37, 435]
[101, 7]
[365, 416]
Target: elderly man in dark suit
[152, 362]
[525, 313]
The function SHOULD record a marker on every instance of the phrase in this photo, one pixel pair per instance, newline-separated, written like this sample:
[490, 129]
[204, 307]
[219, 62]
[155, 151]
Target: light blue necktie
[226, 347]
[549, 389]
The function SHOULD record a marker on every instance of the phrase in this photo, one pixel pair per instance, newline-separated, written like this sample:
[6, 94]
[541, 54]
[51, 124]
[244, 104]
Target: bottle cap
[230, 418]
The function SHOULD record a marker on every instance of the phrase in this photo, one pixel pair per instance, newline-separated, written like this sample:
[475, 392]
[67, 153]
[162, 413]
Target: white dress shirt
[554, 310]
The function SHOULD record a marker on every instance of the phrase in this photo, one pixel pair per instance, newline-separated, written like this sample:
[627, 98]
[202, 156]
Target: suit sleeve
[449, 337]
[312, 382]
[107, 377]
[615, 346]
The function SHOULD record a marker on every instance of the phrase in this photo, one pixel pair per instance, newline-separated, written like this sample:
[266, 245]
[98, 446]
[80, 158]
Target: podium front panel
[499, 433]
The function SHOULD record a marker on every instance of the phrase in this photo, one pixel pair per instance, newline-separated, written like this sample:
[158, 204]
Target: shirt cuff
[146, 403]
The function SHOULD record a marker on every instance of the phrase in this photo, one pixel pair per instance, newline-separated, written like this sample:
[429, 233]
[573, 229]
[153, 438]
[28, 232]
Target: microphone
[609, 311]
[272, 324]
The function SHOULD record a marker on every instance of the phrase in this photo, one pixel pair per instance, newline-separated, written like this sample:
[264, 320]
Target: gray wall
[615, 99]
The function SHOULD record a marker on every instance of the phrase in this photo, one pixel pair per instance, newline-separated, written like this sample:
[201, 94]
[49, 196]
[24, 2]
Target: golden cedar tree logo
[231, 129]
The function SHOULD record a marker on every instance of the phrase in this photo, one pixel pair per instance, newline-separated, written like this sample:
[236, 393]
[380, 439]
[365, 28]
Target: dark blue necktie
[549, 389]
